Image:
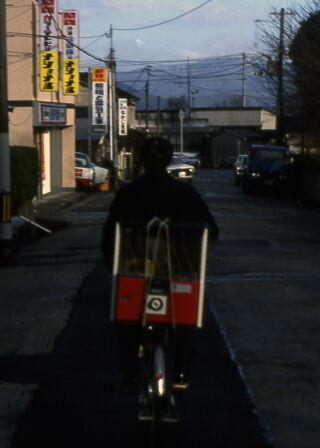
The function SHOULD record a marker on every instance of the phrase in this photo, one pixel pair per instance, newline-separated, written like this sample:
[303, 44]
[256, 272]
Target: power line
[164, 21]
[173, 61]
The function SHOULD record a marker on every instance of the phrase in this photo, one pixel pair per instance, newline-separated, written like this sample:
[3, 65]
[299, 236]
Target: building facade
[97, 144]
[217, 134]
[38, 118]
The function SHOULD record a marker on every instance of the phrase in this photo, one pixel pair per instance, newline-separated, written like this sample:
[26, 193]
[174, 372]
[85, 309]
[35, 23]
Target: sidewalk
[35, 303]
[49, 216]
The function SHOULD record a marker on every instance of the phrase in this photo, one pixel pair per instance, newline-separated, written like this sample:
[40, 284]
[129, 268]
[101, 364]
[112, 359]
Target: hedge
[25, 174]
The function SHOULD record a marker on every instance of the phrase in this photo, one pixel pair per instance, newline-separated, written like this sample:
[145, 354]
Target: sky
[215, 28]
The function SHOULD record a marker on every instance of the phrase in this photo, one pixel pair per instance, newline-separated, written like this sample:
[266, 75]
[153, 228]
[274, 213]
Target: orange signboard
[99, 74]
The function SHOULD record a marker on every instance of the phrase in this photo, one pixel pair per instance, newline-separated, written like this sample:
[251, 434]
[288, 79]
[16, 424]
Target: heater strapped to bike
[159, 273]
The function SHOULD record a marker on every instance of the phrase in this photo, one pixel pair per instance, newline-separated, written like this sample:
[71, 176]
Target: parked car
[87, 173]
[180, 170]
[239, 167]
[267, 166]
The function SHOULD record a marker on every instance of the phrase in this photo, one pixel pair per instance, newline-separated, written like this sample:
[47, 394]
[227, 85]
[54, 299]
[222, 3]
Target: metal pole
[158, 115]
[90, 114]
[181, 116]
[280, 82]
[147, 99]
[113, 102]
[189, 91]
[110, 116]
[244, 81]
[115, 113]
[5, 181]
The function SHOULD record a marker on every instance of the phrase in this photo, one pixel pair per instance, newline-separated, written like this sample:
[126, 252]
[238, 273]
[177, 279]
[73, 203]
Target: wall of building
[24, 95]
[68, 141]
[21, 126]
[268, 120]
[245, 117]
[20, 50]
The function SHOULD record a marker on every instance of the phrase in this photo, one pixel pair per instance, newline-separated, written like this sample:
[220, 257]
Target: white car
[180, 170]
[239, 167]
[87, 173]
[189, 158]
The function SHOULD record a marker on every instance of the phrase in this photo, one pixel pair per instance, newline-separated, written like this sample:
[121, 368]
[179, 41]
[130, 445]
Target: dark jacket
[155, 194]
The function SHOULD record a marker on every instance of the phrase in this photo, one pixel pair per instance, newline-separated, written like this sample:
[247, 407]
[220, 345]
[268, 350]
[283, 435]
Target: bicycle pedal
[180, 385]
[171, 417]
[180, 382]
[144, 415]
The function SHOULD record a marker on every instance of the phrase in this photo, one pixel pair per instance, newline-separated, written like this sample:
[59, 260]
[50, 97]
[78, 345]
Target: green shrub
[24, 175]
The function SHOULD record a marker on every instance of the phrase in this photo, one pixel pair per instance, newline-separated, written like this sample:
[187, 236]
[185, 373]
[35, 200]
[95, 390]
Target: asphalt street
[79, 403]
[58, 364]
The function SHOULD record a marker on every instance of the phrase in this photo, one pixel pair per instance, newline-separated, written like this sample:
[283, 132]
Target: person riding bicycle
[154, 193]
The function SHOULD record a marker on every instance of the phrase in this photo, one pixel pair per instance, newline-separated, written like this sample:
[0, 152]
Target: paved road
[241, 385]
[263, 283]
[78, 403]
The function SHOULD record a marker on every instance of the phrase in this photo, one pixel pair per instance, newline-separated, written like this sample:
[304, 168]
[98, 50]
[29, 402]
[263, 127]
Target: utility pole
[280, 100]
[5, 181]
[181, 117]
[189, 91]
[244, 80]
[280, 81]
[113, 136]
[90, 113]
[110, 115]
[158, 115]
[147, 98]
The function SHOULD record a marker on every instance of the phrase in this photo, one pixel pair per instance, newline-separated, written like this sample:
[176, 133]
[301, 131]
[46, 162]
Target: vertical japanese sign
[70, 70]
[48, 60]
[99, 99]
[123, 116]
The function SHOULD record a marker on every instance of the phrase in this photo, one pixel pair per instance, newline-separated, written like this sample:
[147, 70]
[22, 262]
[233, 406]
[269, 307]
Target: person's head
[156, 154]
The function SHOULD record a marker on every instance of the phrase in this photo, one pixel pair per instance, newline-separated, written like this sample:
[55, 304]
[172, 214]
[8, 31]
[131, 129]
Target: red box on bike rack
[176, 298]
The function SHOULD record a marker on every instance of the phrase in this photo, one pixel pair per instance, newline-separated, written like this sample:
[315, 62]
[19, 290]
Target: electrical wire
[164, 21]
[145, 62]
[207, 71]
[123, 62]
[95, 41]
[64, 37]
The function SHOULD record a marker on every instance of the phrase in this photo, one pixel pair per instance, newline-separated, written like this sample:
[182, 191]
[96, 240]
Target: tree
[305, 55]
[177, 102]
[271, 62]
[232, 101]
[279, 52]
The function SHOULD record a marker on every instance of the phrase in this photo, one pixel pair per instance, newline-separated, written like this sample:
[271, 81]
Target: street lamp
[193, 92]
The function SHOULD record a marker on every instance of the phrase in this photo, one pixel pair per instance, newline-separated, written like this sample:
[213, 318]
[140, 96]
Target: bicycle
[159, 273]
[156, 397]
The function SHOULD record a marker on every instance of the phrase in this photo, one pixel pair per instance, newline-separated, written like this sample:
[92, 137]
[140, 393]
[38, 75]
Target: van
[268, 167]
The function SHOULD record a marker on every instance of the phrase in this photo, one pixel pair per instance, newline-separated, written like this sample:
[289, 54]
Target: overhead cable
[164, 21]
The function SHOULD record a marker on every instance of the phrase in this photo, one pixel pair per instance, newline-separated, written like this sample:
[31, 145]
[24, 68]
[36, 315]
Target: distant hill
[215, 82]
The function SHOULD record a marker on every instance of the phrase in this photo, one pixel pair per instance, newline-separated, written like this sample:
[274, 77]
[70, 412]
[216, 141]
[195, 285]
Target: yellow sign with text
[48, 71]
[70, 77]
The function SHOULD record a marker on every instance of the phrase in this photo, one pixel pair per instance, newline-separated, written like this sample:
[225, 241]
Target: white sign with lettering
[48, 24]
[123, 116]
